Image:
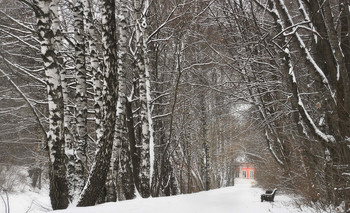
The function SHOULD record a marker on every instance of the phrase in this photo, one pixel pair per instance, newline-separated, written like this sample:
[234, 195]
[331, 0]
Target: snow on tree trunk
[134, 152]
[68, 134]
[342, 74]
[121, 167]
[287, 72]
[144, 68]
[68, 117]
[47, 30]
[100, 168]
[286, 21]
[332, 71]
[81, 98]
[96, 69]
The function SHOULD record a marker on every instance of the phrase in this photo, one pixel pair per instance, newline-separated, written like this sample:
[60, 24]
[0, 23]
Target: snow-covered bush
[13, 178]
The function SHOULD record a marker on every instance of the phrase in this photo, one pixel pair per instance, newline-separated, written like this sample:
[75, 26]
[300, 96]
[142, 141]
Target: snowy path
[242, 198]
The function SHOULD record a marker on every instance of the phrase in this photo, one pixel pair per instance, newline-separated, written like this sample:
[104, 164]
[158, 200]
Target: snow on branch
[20, 40]
[37, 118]
[23, 70]
[295, 28]
[302, 45]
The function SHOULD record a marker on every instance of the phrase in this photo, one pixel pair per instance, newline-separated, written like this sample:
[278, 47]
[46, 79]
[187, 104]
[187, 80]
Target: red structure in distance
[245, 170]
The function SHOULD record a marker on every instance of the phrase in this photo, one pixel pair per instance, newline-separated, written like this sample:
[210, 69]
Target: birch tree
[81, 169]
[96, 67]
[126, 172]
[184, 68]
[121, 171]
[46, 11]
[100, 168]
[142, 60]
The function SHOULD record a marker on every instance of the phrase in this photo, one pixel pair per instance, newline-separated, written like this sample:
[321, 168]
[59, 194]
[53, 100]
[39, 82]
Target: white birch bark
[48, 29]
[121, 168]
[125, 158]
[81, 97]
[144, 68]
[100, 168]
[96, 69]
[68, 133]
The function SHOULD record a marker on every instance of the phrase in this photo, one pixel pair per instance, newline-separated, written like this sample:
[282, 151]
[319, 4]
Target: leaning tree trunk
[55, 135]
[329, 66]
[100, 168]
[291, 87]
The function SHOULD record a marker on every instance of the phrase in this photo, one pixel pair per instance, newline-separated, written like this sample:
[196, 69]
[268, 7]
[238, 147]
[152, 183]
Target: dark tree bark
[46, 12]
[99, 171]
[81, 168]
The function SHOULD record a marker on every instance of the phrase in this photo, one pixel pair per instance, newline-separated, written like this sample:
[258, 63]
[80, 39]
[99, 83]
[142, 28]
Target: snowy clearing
[36, 201]
[240, 198]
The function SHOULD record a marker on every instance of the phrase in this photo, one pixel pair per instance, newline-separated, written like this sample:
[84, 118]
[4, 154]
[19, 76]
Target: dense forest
[111, 99]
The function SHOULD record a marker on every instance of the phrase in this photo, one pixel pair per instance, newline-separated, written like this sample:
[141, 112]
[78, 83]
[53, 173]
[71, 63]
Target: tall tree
[143, 64]
[121, 171]
[126, 171]
[46, 12]
[100, 168]
[81, 169]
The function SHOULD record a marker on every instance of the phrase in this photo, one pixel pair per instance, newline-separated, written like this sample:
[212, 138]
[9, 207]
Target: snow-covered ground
[242, 198]
[28, 201]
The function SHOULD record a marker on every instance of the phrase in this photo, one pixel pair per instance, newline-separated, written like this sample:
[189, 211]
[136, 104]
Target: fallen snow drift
[241, 198]
[30, 201]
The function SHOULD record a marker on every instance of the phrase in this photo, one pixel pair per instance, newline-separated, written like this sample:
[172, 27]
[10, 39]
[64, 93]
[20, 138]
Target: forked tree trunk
[99, 170]
[121, 167]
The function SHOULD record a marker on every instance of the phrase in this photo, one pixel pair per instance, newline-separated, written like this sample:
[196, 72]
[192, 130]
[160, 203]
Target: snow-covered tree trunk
[47, 30]
[100, 168]
[287, 21]
[144, 69]
[96, 69]
[339, 40]
[122, 173]
[68, 133]
[134, 152]
[81, 97]
[342, 74]
[329, 67]
[68, 117]
[287, 70]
